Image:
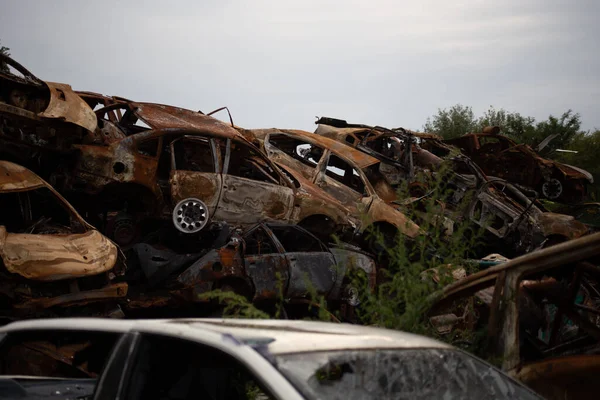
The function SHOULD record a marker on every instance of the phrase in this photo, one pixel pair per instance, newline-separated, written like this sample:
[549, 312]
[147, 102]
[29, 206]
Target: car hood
[57, 257]
[571, 170]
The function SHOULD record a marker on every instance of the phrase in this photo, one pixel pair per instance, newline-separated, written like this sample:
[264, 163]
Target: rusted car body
[499, 207]
[49, 255]
[345, 173]
[152, 172]
[540, 315]
[271, 262]
[38, 115]
[499, 156]
[389, 146]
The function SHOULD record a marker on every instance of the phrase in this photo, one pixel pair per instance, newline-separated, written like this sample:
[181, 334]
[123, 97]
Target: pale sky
[281, 63]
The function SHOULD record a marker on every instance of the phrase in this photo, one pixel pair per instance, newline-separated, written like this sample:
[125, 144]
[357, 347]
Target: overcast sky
[280, 63]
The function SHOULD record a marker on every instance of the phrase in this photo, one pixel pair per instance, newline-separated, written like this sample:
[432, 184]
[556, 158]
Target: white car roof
[278, 336]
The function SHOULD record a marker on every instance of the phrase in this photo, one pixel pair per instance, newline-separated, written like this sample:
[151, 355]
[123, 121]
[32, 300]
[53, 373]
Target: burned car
[347, 174]
[501, 157]
[192, 176]
[49, 255]
[39, 117]
[506, 214]
[271, 262]
[398, 150]
[538, 315]
[281, 268]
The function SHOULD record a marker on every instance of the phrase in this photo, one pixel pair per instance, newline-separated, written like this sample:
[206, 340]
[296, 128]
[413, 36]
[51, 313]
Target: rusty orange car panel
[66, 105]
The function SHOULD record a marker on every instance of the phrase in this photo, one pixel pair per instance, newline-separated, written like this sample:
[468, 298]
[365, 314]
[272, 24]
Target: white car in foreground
[81, 358]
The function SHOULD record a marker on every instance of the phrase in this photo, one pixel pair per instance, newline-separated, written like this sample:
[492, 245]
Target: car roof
[279, 336]
[160, 116]
[341, 150]
[15, 178]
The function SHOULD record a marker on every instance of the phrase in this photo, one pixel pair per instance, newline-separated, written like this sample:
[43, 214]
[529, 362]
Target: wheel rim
[190, 215]
[552, 189]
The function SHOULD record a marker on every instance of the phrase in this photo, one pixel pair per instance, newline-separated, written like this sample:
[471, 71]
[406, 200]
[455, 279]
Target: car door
[312, 266]
[252, 190]
[195, 171]
[265, 264]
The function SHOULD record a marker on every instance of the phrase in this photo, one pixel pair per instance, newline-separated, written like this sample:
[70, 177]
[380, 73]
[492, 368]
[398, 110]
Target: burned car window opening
[294, 240]
[258, 242]
[148, 148]
[343, 172]
[307, 153]
[194, 155]
[34, 211]
[245, 162]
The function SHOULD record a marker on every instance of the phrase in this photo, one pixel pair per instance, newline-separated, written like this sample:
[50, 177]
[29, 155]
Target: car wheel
[552, 189]
[190, 215]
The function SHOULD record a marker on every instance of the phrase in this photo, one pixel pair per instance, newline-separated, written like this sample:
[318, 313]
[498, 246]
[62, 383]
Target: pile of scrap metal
[517, 223]
[179, 203]
[178, 192]
[538, 315]
[559, 187]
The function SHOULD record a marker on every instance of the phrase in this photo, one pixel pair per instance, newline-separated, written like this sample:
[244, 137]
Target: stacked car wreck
[119, 208]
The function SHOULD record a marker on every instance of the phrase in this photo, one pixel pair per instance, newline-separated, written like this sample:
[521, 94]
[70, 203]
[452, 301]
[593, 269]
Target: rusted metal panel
[225, 262]
[110, 292]
[160, 116]
[17, 178]
[569, 377]
[249, 201]
[380, 211]
[269, 274]
[67, 106]
[561, 225]
[203, 186]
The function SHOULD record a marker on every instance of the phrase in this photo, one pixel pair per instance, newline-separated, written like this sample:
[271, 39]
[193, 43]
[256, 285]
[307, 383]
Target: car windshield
[397, 374]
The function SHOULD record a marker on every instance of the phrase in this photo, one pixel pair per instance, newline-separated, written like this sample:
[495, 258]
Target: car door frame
[214, 177]
[297, 287]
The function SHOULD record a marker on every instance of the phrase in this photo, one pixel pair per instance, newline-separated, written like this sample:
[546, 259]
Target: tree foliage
[459, 120]
[566, 129]
[452, 122]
